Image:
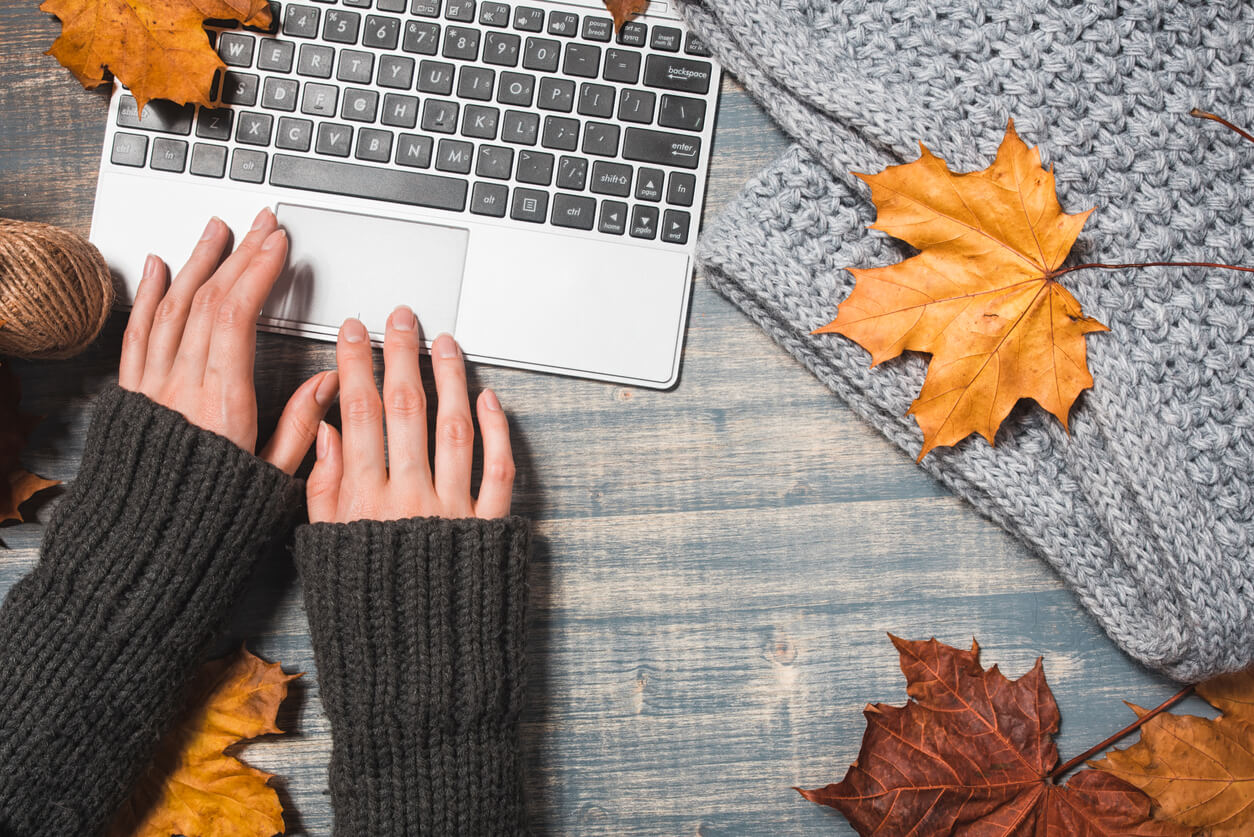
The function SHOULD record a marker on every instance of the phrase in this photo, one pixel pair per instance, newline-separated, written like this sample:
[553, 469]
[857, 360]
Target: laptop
[523, 176]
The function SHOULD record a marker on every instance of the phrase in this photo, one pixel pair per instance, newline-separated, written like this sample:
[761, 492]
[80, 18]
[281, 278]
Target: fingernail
[261, 219]
[403, 318]
[323, 435]
[490, 402]
[150, 267]
[328, 387]
[353, 331]
[273, 239]
[445, 346]
[210, 228]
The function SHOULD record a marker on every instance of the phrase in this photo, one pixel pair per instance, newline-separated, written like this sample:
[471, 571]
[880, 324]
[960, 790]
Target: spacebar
[368, 182]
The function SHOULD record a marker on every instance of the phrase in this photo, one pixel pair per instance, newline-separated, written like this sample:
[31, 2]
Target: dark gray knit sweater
[417, 627]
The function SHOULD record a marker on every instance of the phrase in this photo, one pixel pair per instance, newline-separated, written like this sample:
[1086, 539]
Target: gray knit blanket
[1147, 508]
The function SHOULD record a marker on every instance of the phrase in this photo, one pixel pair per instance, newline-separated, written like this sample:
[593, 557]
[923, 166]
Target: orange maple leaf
[192, 787]
[624, 10]
[981, 295]
[157, 48]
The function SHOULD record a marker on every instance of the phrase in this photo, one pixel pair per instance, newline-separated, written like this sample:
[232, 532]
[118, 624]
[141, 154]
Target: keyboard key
[560, 133]
[574, 211]
[600, 139]
[564, 24]
[515, 89]
[208, 160]
[357, 4]
[371, 182]
[666, 38]
[319, 99]
[675, 226]
[611, 179]
[613, 218]
[480, 122]
[129, 149]
[622, 65]
[396, 71]
[454, 156]
[400, 111]
[374, 145]
[439, 116]
[381, 32]
[476, 83]
[495, 161]
[300, 21]
[425, 8]
[435, 77]
[681, 188]
[596, 100]
[530, 205]
[276, 14]
[214, 123]
[280, 93]
[390, 5]
[248, 165]
[659, 147]
[489, 199]
[695, 46]
[414, 150]
[644, 222]
[597, 28]
[333, 139]
[534, 167]
[421, 37]
[462, 10]
[583, 60]
[341, 27]
[294, 134]
[501, 48]
[649, 184]
[528, 19]
[682, 74]
[681, 112]
[240, 89]
[636, 106]
[541, 54]
[253, 128]
[272, 55]
[633, 34]
[461, 42]
[494, 14]
[556, 94]
[572, 173]
[315, 60]
[520, 128]
[360, 105]
[236, 50]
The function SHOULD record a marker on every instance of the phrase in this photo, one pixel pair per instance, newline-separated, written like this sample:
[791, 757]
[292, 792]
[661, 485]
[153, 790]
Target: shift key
[673, 73]
[660, 147]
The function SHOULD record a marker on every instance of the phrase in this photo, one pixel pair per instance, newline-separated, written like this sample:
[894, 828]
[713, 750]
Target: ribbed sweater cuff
[418, 630]
[139, 564]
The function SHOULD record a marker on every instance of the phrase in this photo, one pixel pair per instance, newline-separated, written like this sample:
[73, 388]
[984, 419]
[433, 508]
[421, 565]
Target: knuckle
[167, 311]
[456, 431]
[499, 470]
[363, 409]
[208, 297]
[135, 336]
[406, 401]
[230, 314]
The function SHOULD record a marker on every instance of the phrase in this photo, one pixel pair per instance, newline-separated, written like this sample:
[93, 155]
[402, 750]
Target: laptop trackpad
[342, 264]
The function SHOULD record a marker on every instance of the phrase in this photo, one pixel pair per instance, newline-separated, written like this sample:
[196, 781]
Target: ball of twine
[55, 291]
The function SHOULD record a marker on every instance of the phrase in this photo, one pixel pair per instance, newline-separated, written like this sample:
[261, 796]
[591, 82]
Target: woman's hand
[191, 346]
[352, 480]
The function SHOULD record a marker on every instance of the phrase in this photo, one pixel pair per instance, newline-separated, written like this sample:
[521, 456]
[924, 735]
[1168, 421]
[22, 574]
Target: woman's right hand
[353, 480]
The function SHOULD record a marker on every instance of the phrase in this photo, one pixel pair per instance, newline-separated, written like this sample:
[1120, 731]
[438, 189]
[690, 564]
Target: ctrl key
[129, 150]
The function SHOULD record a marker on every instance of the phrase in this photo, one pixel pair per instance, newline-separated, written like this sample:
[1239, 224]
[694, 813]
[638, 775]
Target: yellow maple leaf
[192, 787]
[981, 296]
[157, 48]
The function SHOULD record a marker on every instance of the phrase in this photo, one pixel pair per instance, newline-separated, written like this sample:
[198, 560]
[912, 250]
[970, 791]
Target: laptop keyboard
[496, 109]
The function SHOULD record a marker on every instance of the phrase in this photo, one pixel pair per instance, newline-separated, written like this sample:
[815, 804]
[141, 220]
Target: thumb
[322, 490]
[299, 422]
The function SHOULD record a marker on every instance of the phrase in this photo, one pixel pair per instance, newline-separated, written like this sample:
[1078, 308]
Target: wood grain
[715, 566]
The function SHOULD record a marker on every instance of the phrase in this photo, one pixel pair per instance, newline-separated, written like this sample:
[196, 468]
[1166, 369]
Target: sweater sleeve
[418, 631]
[139, 564]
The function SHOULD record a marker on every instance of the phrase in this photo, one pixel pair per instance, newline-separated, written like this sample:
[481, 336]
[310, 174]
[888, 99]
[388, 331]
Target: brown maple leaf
[624, 10]
[192, 787]
[1198, 771]
[971, 753]
[980, 296]
[17, 485]
[157, 48]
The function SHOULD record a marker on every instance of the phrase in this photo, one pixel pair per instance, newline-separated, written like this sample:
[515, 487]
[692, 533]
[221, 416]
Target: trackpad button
[341, 264]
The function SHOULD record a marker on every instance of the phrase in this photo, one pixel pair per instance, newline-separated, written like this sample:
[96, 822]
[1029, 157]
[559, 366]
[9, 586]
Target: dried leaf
[971, 754]
[192, 787]
[625, 10]
[157, 48]
[980, 296]
[17, 485]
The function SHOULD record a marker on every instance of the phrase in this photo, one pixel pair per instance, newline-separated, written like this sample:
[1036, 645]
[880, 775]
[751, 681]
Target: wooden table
[715, 566]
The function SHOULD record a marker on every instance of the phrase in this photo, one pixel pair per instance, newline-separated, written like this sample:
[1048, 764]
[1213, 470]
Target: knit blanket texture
[1146, 508]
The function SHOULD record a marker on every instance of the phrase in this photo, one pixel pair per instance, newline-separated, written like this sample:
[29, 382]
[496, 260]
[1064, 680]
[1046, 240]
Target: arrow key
[613, 218]
[675, 226]
[644, 222]
[649, 184]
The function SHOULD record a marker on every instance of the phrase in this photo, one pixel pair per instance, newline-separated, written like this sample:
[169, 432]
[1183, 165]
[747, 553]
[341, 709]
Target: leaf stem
[1201, 114]
[1098, 265]
[1130, 728]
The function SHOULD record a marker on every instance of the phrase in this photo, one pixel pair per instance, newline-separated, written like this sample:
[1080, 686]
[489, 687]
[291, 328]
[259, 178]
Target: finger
[405, 404]
[299, 423]
[454, 434]
[322, 490]
[233, 342]
[139, 325]
[360, 407]
[171, 314]
[497, 485]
